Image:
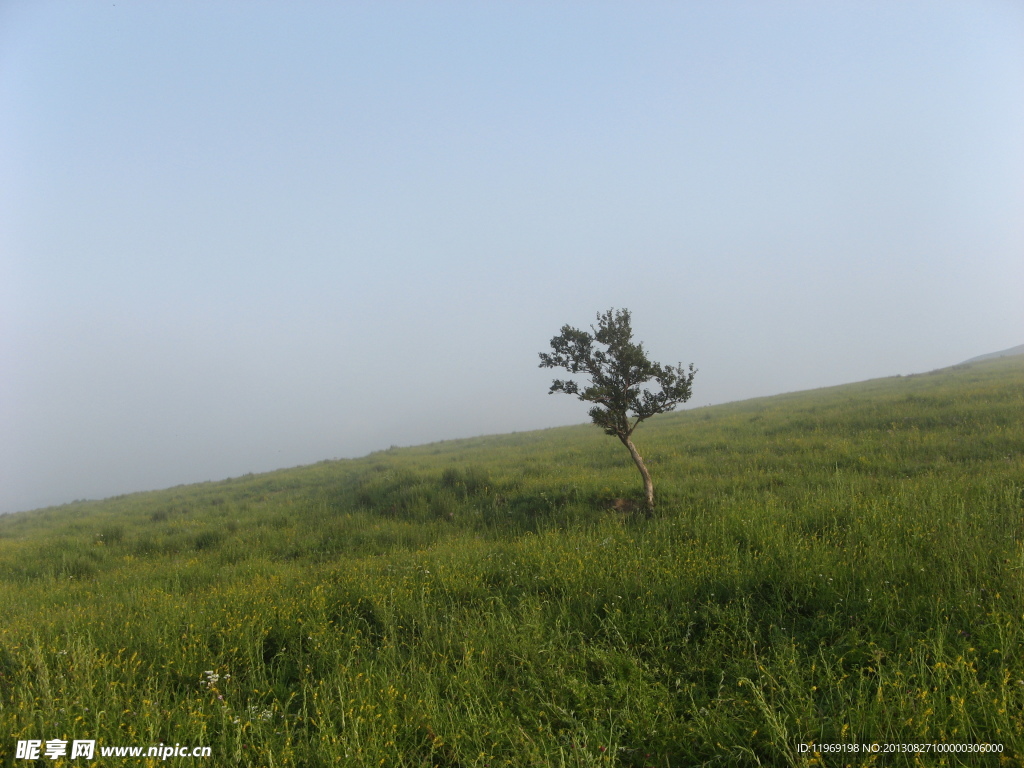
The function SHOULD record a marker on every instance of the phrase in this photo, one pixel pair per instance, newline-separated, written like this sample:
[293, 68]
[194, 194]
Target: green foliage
[618, 369]
[840, 566]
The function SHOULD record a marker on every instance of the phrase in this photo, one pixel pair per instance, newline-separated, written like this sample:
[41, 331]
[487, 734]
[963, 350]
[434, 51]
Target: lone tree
[618, 370]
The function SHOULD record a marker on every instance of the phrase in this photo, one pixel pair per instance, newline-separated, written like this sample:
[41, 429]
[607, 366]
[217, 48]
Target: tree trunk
[648, 485]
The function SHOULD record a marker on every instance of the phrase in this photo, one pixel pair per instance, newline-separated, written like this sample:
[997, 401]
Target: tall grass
[841, 566]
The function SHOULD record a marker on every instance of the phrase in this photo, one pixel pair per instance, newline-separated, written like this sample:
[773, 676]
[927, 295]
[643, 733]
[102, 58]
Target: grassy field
[843, 566]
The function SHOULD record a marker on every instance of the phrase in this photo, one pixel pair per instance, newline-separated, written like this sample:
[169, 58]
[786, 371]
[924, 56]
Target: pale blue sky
[237, 236]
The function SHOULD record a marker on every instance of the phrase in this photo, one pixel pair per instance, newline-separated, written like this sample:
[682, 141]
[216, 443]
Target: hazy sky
[238, 236]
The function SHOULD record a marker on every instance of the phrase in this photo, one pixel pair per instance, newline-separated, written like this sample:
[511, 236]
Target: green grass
[840, 566]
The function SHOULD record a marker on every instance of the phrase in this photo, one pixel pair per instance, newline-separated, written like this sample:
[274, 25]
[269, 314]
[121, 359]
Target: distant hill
[1018, 350]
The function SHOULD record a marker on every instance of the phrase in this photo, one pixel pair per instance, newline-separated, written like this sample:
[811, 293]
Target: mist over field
[239, 237]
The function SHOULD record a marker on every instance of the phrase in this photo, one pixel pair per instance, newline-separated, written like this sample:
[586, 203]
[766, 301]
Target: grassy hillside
[840, 566]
